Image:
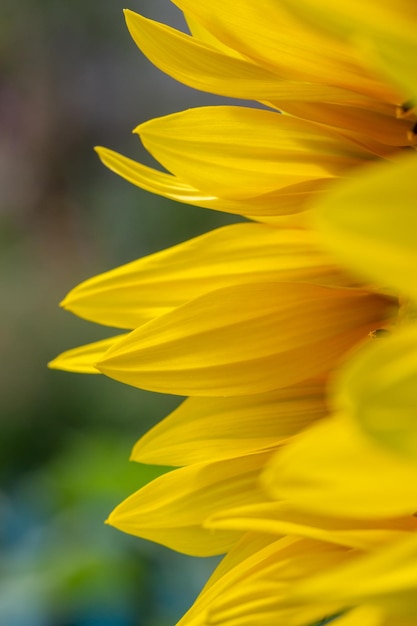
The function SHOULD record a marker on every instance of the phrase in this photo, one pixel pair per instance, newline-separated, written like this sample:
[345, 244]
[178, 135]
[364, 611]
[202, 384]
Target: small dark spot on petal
[378, 333]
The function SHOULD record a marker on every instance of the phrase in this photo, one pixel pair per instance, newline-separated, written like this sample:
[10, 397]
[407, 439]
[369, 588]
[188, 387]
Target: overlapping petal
[369, 223]
[245, 339]
[379, 390]
[386, 578]
[172, 508]
[261, 151]
[137, 292]
[83, 359]
[317, 513]
[379, 123]
[333, 469]
[207, 68]
[259, 598]
[291, 51]
[207, 429]
[383, 31]
[256, 555]
[290, 199]
[278, 518]
[367, 615]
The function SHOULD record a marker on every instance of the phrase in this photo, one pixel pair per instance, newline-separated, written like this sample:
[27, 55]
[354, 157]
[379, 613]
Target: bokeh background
[71, 78]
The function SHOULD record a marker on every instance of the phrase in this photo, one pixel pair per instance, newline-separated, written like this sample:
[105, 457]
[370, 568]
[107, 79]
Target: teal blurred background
[71, 78]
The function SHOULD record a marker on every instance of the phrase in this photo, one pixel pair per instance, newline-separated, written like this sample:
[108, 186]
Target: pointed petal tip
[67, 303]
[64, 303]
[136, 455]
[99, 150]
[111, 519]
[131, 16]
[51, 365]
[102, 368]
[58, 364]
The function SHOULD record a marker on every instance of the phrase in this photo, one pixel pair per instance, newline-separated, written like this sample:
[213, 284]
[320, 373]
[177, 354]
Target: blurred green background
[71, 78]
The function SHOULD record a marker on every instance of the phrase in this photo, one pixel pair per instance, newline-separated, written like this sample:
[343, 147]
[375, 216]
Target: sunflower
[293, 334]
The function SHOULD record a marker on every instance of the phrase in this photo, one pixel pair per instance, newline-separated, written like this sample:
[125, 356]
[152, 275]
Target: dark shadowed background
[71, 78]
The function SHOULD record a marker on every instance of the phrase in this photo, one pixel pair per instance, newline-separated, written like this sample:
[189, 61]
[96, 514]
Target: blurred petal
[369, 222]
[364, 616]
[344, 20]
[171, 509]
[332, 469]
[245, 339]
[259, 597]
[293, 51]
[257, 555]
[135, 293]
[395, 57]
[84, 358]
[290, 199]
[386, 578]
[379, 389]
[371, 616]
[248, 551]
[384, 32]
[279, 519]
[204, 429]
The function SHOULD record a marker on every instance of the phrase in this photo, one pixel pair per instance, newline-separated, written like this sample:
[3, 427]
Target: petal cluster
[293, 334]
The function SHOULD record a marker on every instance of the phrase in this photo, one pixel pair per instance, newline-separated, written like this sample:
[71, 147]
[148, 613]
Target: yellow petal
[364, 616]
[245, 339]
[135, 293]
[373, 17]
[204, 429]
[279, 518]
[291, 51]
[240, 152]
[253, 554]
[332, 469]
[379, 389]
[172, 508]
[371, 616]
[199, 32]
[260, 595]
[394, 56]
[84, 359]
[248, 551]
[383, 31]
[207, 68]
[382, 125]
[284, 201]
[369, 222]
[386, 578]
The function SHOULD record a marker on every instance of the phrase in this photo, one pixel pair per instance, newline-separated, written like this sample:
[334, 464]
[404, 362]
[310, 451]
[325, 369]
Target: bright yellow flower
[312, 494]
